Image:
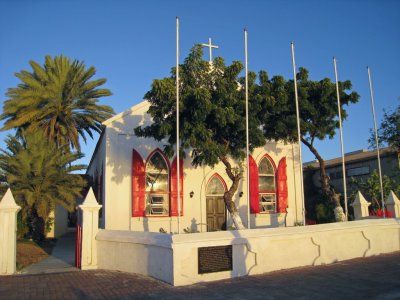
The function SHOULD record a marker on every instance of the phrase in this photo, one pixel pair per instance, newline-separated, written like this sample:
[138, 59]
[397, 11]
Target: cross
[210, 46]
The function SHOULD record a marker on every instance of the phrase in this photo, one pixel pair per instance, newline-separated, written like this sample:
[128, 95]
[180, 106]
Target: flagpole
[177, 124]
[298, 133]
[247, 128]
[376, 141]
[341, 138]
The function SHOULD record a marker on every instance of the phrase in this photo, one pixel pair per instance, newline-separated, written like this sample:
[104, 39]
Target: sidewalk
[364, 278]
[62, 258]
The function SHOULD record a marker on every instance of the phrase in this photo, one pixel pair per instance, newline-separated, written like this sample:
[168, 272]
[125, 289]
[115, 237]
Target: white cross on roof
[210, 46]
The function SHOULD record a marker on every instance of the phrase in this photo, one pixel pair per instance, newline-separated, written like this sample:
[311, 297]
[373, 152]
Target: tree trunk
[228, 196]
[327, 189]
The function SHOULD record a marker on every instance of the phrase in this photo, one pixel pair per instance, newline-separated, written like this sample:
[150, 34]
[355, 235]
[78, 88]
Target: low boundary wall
[175, 258]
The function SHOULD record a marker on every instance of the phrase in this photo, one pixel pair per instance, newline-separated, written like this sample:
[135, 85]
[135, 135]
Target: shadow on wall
[121, 139]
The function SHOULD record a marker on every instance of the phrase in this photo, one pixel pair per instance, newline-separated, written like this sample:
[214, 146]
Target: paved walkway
[62, 258]
[368, 278]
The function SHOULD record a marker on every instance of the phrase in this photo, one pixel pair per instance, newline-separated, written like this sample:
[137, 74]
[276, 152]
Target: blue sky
[133, 42]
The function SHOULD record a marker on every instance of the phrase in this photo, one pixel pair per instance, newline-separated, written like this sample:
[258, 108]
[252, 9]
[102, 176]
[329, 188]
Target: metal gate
[78, 240]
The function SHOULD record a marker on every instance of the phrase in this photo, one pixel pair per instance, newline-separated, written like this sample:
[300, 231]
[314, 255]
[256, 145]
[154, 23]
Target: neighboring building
[62, 219]
[359, 164]
[137, 184]
[60, 222]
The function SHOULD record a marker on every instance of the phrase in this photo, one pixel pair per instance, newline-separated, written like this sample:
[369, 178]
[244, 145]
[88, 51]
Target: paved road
[369, 278]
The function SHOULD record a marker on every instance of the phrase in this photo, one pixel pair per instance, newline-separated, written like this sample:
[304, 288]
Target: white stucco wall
[116, 146]
[60, 224]
[174, 258]
[96, 164]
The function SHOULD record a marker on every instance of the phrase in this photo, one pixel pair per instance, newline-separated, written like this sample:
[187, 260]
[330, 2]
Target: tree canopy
[59, 98]
[212, 118]
[318, 115]
[318, 107]
[371, 188]
[212, 113]
[389, 130]
[39, 175]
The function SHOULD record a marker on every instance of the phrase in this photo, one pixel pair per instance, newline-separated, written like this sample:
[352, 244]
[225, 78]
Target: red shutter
[138, 185]
[173, 208]
[254, 194]
[282, 192]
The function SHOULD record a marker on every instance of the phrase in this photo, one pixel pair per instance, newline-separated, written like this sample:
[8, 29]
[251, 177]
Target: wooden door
[216, 213]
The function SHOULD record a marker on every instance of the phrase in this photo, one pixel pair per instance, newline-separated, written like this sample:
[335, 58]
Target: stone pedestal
[90, 227]
[8, 234]
[360, 207]
[393, 204]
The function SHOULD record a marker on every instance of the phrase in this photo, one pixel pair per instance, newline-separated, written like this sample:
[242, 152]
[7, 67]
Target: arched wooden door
[216, 211]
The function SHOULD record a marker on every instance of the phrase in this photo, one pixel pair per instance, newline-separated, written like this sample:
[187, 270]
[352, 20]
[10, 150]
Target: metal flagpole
[177, 124]
[247, 128]
[298, 133]
[376, 141]
[341, 138]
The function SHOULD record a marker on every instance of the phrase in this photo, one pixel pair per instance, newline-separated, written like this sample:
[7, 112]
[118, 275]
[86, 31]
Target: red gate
[78, 240]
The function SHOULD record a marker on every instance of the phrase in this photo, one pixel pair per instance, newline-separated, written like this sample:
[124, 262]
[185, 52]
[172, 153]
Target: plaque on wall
[215, 259]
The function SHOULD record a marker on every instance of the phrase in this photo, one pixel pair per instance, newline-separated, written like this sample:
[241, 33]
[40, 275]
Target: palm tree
[58, 98]
[39, 175]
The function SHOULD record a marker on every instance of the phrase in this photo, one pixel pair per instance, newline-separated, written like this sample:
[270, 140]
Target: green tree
[318, 116]
[371, 189]
[39, 175]
[212, 117]
[389, 130]
[60, 98]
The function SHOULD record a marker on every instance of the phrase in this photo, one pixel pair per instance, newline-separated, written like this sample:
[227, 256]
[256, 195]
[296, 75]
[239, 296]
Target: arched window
[266, 185]
[157, 186]
[215, 187]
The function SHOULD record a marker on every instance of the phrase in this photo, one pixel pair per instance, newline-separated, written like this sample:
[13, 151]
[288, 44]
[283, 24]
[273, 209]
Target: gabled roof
[109, 121]
[129, 111]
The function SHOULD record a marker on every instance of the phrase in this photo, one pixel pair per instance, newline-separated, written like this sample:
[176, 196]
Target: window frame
[149, 207]
[263, 193]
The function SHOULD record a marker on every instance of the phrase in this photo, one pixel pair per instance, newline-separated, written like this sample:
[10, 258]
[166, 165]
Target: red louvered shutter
[173, 209]
[138, 185]
[254, 194]
[282, 192]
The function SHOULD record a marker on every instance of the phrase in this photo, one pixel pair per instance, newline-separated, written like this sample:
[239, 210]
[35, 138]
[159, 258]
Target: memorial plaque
[215, 259]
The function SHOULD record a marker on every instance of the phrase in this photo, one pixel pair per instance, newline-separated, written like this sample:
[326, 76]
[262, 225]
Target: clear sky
[133, 42]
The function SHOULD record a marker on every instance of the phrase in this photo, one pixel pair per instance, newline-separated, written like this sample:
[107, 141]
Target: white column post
[393, 204]
[8, 234]
[360, 206]
[90, 226]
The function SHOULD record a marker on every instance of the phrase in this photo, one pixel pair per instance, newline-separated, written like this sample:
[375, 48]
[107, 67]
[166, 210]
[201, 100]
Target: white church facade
[137, 184]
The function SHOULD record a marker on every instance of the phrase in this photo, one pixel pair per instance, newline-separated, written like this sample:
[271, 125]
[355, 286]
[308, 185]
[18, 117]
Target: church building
[136, 183]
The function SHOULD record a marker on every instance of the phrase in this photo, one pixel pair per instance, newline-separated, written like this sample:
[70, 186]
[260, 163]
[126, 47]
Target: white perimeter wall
[174, 258]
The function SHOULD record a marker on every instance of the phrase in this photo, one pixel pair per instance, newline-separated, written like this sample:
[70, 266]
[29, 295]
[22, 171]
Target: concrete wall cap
[392, 199]
[360, 200]
[8, 201]
[135, 237]
[90, 201]
[233, 237]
